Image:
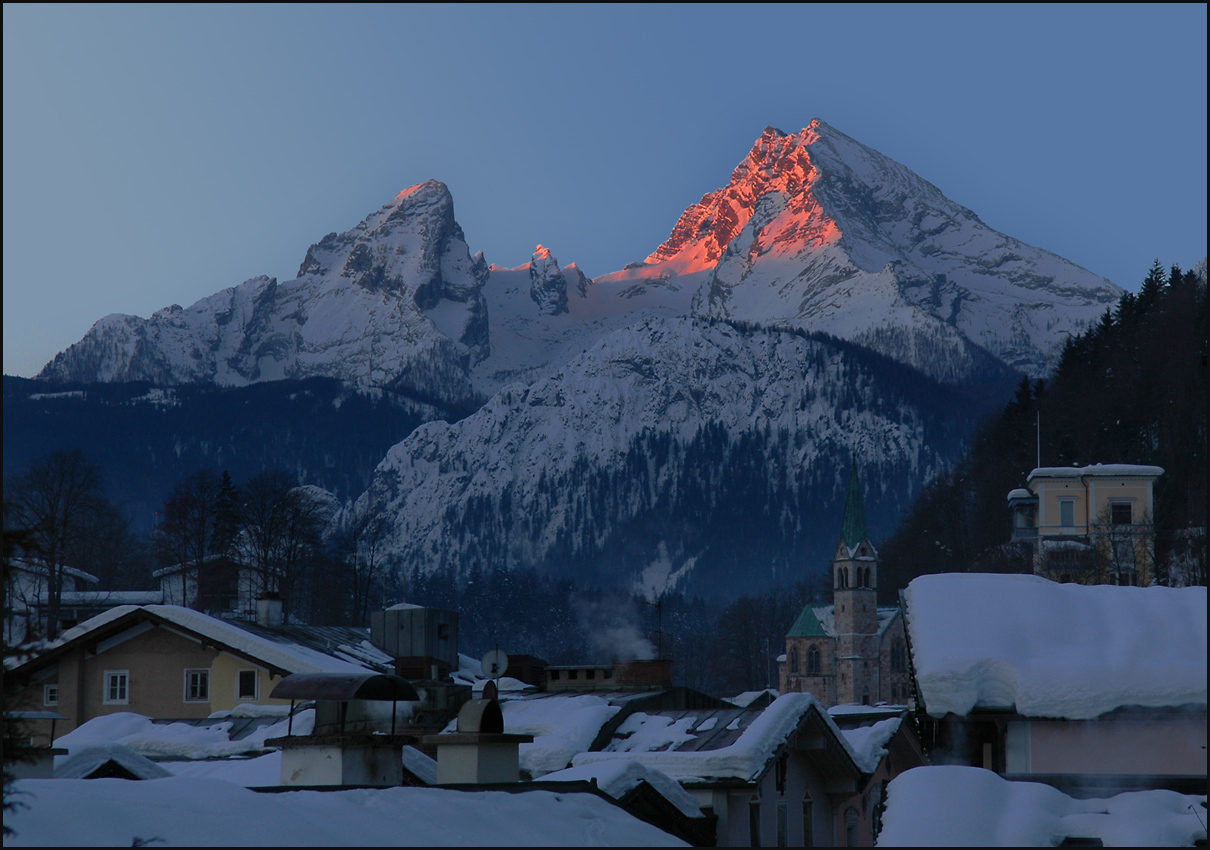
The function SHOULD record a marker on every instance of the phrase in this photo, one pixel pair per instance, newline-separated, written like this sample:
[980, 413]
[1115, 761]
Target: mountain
[674, 452]
[818, 231]
[395, 302]
[689, 418]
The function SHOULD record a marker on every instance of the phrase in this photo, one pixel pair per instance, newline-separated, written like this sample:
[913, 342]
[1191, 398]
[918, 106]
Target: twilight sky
[156, 155]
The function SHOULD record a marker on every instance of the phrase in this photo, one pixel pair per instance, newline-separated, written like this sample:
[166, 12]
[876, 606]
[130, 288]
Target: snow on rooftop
[291, 657]
[617, 778]
[1054, 650]
[181, 811]
[971, 807]
[868, 743]
[421, 766]
[258, 772]
[744, 759]
[748, 697]
[85, 759]
[1111, 470]
[176, 740]
[561, 725]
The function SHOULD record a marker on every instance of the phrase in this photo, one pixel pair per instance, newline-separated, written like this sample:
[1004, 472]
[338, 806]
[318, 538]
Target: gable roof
[278, 657]
[1025, 644]
[746, 756]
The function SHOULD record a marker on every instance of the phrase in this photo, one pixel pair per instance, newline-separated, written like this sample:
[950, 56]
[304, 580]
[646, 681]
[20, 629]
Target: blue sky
[156, 155]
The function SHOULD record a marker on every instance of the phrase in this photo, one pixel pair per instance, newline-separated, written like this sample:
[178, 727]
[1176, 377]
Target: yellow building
[1090, 524]
[165, 661]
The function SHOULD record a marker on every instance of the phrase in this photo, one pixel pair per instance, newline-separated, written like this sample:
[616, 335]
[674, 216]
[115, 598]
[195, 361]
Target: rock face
[547, 285]
[820, 232]
[394, 302]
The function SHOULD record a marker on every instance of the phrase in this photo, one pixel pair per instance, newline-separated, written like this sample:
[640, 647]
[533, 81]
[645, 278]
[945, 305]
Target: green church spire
[853, 529]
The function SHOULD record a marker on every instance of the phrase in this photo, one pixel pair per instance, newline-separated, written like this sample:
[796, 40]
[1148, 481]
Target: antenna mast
[1038, 465]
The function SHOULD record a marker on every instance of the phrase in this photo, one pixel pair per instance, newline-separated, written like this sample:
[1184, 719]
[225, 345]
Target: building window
[117, 687]
[808, 822]
[754, 822]
[779, 775]
[590, 674]
[1067, 513]
[813, 661]
[554, 675]
[865, 696]
[898, 657]
[783, 825]
[1121, 513]
[573, 674]
[443, 631]
[850, 827]
[197, 686]
[246, 685]
[794, 660]
[50, 695]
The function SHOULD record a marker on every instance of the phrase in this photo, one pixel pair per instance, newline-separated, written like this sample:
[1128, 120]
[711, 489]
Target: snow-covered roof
[1106, 470]
[616, 778]
[744, 759]
[562, 725]
[177, 740]
[39, 568]
[83, 760]
[419, 765]
[282, 656]
[1020, 493]
[953, 806]
[868, 743]
[1022, 643]
[748, 697]
[182, 811]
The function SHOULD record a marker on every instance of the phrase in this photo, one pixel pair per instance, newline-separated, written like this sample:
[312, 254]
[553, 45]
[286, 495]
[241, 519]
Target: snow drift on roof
[953, 806]
[177, 740]
[1054, 650]
[617, 778]
[869, 742]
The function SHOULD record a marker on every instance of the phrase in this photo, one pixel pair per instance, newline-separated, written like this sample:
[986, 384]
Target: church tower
[854, 583]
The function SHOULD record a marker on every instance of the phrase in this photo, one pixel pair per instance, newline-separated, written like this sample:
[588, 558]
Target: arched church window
[794, 660]
[813, 661]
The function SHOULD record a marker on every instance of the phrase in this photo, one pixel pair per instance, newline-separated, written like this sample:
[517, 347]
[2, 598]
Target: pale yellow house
[1089, 525]
[167, 662]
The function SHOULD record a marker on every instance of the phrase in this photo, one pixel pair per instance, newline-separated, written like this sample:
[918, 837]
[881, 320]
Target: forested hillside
[1132, 389]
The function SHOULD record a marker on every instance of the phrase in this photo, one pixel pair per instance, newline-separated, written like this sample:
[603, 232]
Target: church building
[852, 651]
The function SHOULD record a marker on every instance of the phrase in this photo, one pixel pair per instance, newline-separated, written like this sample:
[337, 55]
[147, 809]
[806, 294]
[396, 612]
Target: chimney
[480, 751]
[268, 609]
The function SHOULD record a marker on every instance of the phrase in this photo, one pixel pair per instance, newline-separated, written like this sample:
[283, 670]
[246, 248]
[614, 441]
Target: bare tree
[282, 532]
[189, 533]
[358, 544]
[56, 499]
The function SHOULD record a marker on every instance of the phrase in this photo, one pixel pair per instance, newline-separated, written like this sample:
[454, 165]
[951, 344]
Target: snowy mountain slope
[393, 302]
[670, 428]
[818, 231]
[528, 339]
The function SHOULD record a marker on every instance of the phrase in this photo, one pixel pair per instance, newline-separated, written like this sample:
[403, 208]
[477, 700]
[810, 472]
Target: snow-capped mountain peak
[395, 301]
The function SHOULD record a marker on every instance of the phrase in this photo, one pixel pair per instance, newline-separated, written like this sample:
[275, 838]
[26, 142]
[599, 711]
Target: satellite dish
[494, 664]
